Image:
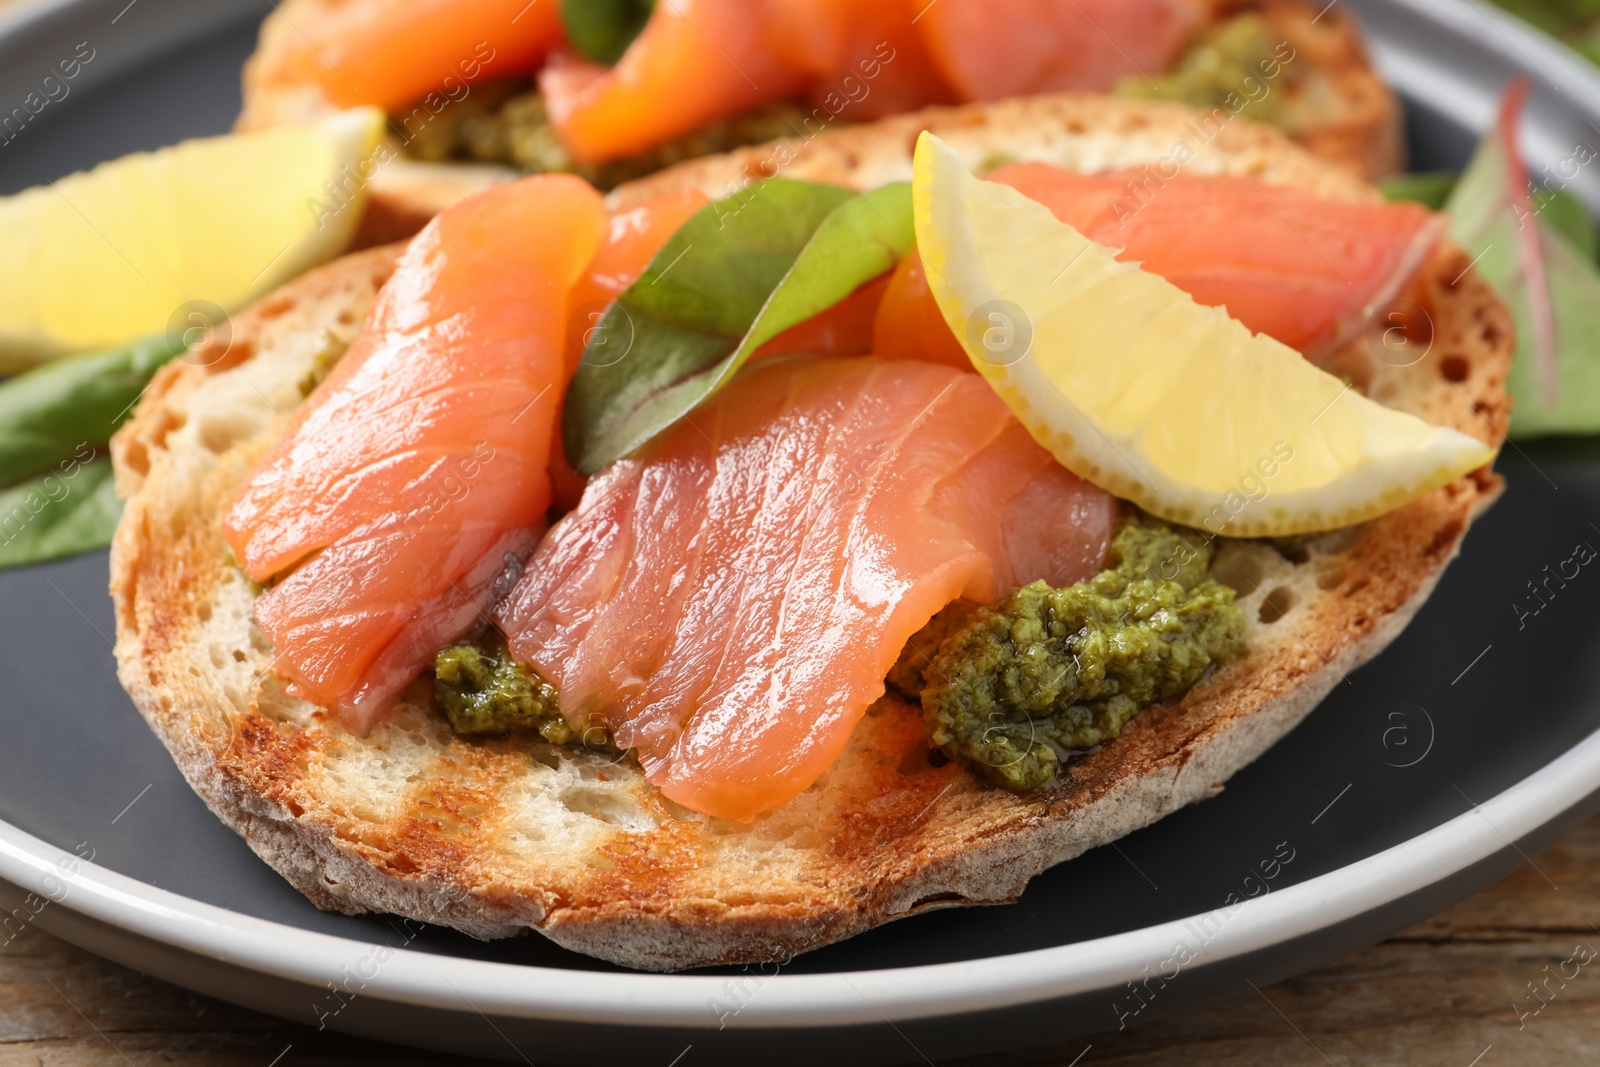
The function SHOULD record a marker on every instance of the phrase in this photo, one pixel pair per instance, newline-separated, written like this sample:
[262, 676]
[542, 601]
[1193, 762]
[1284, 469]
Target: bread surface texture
[1330, 100]
[502, 836]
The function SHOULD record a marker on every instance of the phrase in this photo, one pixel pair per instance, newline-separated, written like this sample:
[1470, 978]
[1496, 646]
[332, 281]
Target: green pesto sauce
[1227, 64]
[497, 124]
[1063, 669]
[482, 690]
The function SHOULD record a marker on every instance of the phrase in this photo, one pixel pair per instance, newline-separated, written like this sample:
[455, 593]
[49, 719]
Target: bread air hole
[1276, 605]
[1454, 368]
[1240, 567]
[546, 756]
[1296, 551]
[607, 807]
[135, 457]
[274, 307]
[1331, 577]
[219, 433]
[920, 760]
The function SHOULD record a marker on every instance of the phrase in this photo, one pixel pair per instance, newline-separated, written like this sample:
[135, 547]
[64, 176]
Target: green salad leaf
[601, 30]
[1429, 188]
[47, 414]
[1575, 22]
[1540, 260]
[1560, 208]
[71, 509]
[1570, 218]
[59, 498]
[737, 274]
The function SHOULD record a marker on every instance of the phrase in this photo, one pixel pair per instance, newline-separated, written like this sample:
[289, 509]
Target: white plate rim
[843, 999]
[779, 1000]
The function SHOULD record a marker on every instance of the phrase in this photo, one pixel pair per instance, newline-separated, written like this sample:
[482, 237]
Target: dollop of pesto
[499, 123]
[482, 690]
[1013, 687]
[1233, 59]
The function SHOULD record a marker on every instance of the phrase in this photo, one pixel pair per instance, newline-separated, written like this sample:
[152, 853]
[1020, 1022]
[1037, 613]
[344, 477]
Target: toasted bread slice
[495, 837]
[1338, 107]
[1335, 105]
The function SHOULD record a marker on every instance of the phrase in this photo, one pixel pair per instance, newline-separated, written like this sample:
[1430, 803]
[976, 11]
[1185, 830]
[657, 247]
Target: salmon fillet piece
[412, 474]
[1285, 262]
[992, 49]
[392, 53]
[701, 60]
[728, 600]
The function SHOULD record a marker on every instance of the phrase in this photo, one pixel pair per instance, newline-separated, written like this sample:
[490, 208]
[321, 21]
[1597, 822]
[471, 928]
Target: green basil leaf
[47, 414]
[72, 509]
[738, 273]
[1430, 188]
[601, 30]
[1556, 388]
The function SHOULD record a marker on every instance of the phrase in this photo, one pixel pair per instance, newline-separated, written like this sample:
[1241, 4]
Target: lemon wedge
[1153, 397]
[165, 237]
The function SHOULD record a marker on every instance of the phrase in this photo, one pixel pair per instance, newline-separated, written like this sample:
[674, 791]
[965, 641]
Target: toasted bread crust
[1337, 107]
[1341, 110]
[501, 836]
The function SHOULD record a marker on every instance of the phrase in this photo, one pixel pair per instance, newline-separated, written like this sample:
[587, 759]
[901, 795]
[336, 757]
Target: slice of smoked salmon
[405, 481]
[990, 49]
[395, 52]
[632, 239]
[867, 58]
[909, 324]
[728, 600]
[1285, 262]
[845, 329]
[701, 60]
[1288, 264]
[694, 62]
[809, 35]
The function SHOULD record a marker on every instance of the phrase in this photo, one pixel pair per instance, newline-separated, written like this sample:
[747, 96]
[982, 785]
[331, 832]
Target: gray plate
[1428, 775]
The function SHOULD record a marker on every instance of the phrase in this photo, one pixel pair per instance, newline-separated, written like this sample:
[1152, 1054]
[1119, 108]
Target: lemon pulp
[126, 249]
[1162, 401]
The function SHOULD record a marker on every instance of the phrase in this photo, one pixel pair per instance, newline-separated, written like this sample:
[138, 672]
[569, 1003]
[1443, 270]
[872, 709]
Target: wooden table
[1453, 992]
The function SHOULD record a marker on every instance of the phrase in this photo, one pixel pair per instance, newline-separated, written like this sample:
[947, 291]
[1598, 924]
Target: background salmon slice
[632, 239]
[845, 329]
[867, 58]
[909, 324]
[1284, 262]
[990, 49]
[395, 52]
[729, 600]
[694, 62]
[407, 477]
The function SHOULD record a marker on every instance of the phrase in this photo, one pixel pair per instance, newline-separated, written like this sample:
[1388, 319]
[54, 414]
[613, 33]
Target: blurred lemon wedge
[1155, 398]
[155, 238]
